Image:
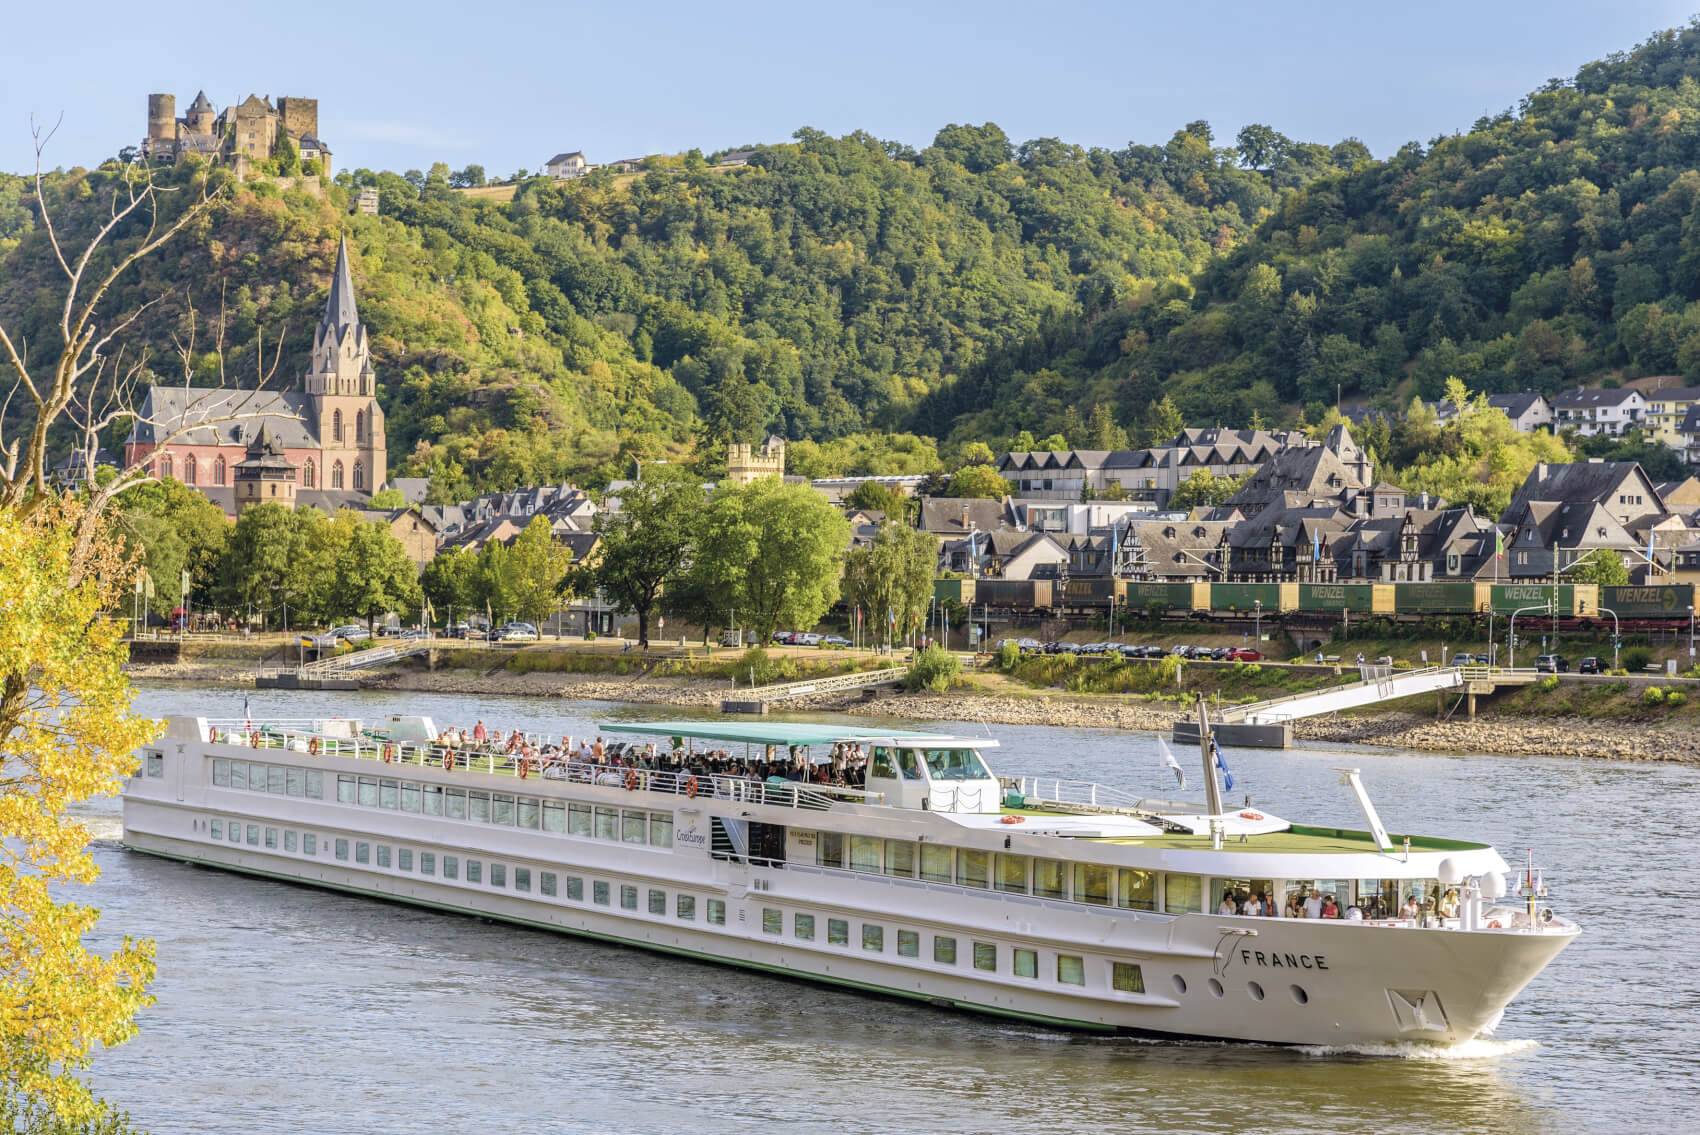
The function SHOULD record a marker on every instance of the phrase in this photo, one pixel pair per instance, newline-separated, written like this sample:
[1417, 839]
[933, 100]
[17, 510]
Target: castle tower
[199, 119]
[300, 117]
[266, 474]
[343, 387]
[162, 122]
[745, 464]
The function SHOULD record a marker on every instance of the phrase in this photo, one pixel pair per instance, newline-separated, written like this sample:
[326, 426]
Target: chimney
[1540, 470]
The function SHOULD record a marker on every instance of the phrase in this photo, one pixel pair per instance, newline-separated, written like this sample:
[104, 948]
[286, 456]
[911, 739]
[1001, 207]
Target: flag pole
[1212, 790]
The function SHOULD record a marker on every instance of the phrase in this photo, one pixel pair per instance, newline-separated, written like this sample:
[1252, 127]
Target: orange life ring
[1013, 820]
[254, 739]
[631, 780]
[448, 761]
[313, 746]
[388, 754]
[1251, 815]
[524, 767]
[212, 734]
[1493, 924]
[691, 787]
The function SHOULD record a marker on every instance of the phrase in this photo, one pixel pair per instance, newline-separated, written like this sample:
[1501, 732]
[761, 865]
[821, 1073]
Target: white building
[1591, 412]
[568, 165]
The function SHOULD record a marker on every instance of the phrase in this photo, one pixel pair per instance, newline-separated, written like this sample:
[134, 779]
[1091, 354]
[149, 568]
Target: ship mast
[1212, 790]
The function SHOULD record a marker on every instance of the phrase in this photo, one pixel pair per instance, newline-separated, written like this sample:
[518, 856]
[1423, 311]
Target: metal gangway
[1376, 684]
[861, 680]
[362, 659]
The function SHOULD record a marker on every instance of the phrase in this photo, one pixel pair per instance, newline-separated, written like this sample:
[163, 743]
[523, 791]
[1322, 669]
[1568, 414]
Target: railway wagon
[1244, 598]
[1447, 597]
[1176, 598]
[959, 591]
[1667, 601]
[1013, 594]
[1091, 593]
[1337, 598]
[1574, 600]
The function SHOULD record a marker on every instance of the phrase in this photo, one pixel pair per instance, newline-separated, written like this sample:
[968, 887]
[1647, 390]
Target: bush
[935, 669]
[1652, 695]
[590, 636]
[1635, 659]
[1009, 655]
[1674, 698]
[1547, 684]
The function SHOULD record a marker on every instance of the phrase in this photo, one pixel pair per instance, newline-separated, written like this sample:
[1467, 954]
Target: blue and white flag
[1650, 549]
[246, 715]
[1316, 545]
[1170, 763]
[1216, 756]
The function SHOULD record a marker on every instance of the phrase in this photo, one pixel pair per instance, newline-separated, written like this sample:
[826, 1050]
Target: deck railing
[1080, 792]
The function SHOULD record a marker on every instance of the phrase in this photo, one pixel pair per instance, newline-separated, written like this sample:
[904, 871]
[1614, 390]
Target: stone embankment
[1567, 737]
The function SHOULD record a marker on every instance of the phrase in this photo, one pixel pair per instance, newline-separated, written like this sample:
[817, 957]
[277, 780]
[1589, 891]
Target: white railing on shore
[496, 759]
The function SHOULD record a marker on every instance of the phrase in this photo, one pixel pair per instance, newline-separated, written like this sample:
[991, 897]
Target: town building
[564, 167]
[1565, 512]
[1150, 475]
[330, 430]
[1528, 410]
[247, 132]
[1602, 411]
[1667, 411]
[745, 464]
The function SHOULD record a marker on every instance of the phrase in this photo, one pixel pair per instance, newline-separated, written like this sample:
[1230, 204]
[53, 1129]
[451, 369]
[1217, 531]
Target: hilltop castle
[246, 132]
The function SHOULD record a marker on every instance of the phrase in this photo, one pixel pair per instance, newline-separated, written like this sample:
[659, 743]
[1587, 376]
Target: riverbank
[1515, 728]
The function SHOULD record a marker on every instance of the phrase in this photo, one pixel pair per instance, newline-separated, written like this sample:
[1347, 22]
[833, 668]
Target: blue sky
[508, 84]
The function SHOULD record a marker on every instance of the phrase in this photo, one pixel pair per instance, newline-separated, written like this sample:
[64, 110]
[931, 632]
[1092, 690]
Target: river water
[285, 1009]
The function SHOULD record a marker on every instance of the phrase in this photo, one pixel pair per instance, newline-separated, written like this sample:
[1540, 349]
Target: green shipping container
[1016, 594]
[1670, 601]
[1245, 596]
[1090, 592]
[1445, 598]
[1510, 597]
[1173, 596]
[1337, 597]
[954, 591]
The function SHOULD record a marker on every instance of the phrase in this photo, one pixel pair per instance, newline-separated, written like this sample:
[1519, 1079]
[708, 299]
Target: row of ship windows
[626, 825]
[1125, 977]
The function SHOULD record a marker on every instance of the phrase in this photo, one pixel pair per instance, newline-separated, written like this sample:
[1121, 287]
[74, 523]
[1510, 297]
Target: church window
[166, 468]
[189, 470]
[359, 427]
[336, 474]
[336, 430]
[218, 470]
[307, 474]
[359, 476]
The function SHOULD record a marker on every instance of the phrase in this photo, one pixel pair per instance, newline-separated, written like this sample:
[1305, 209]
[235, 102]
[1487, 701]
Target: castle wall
[300, 116]
[162, 118]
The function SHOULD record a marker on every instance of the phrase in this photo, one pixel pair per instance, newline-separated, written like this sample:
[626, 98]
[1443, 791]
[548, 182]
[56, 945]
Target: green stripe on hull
[678, 951]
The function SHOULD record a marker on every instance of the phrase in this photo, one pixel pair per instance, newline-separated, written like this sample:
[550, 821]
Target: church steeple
[339, 305]
[342, 361]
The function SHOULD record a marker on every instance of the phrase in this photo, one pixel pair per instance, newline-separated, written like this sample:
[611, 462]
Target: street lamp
[1519, 611]
[1691, 632]
[1616, 635]
[1257, 624]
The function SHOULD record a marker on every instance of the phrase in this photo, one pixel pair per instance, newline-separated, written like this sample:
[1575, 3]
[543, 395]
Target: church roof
[165, 409]
[339, 305]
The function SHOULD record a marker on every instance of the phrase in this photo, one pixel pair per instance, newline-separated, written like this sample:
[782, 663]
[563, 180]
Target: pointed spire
[339, 305]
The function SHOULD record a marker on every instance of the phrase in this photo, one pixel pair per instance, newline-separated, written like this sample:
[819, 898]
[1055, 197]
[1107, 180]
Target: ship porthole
[1299, 995]
[1255, 990]
[1215, 988]
[1180, 984]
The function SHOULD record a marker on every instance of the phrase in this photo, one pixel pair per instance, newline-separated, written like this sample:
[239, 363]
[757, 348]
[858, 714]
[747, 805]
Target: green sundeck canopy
[771, 732]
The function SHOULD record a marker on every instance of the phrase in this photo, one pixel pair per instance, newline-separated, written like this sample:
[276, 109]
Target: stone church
[331, 430]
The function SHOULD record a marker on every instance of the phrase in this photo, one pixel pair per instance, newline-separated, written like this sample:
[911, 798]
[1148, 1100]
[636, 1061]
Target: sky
[402, 85]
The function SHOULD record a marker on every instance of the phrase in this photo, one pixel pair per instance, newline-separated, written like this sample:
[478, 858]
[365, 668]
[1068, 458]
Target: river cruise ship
[890, 862]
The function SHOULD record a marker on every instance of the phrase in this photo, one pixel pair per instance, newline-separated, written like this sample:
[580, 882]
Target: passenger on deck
[1354, 913]
[1330, 908]
[1295, 905]
[478, 733]
[1313, 905]
[1254, 906]
[1411, 909]
[1449, 905]
[1226, 906]
[597, 750]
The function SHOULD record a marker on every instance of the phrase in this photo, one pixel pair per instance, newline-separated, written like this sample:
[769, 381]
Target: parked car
[1552, 664]
[1244, 654]
[414, 633]
[518, 632]
[352, 632]
[834, 640]
[1591, 665]
[805, 638]
[784, 638]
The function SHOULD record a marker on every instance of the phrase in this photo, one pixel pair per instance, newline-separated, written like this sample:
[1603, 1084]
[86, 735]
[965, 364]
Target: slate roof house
[1564, 512]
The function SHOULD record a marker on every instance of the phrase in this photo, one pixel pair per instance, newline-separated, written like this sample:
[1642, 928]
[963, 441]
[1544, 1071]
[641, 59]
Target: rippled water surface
[284, 1009]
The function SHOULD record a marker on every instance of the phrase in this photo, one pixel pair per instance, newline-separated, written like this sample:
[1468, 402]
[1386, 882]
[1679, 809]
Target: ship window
[881, 765]
[803, 926]
[685, 907]
[1050, 879]
[239, 774]
[607, 823]
[1092, 883]
[474, 871]
[554, 816]
[971, 868]
[342, 849]
[546, 883]
[1125, 977]
[236, 832]
[451, 867]
[315, 785]
[599, 892]
[218, 829]
[658, 902]
[368, 792]
[578, 819]
[900, 858]
[310, 844]
[956, 764]
[409, 797]
[271, 838]
[660, 829]
[873, 938]
[296, 782]
[275, 779]
[772, 920]
[1183, 894]
[502, 810]
[288, 840]
[632, 826]
[498, 874]
[1138, 889]
[935, 863]
[478, 807]
[1012, 874]
[717, 912]
[1026, 963]
[575, 888]
[837, 932]
[383, 855]
[431, 799]
[628, 897]
[454, 800]
[864, 853]
[526, 813]
[404, 858]
[908, 943]
[221, 773]
[944, 950]
[829, 849]
[254, 835]
[362, 853]
[986, 956]
[388, 791]
[1070, 970]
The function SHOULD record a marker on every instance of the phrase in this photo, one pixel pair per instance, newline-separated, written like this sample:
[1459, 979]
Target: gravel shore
[1548, 736]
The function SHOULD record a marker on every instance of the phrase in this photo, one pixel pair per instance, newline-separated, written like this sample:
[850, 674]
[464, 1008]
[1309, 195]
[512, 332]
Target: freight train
[1057, 598]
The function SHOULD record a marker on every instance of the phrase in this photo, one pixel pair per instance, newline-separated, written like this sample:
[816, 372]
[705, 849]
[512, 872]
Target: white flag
[1170, 763]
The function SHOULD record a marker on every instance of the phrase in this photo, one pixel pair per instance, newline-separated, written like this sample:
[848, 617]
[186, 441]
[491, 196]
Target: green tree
[773, 553]
[537, 563]
[645, 548]
[893, 573]
[1261, 147]
[387, 499]
[177, 529]
[450, 583]
[373, 574]
[1600, 566]
[1203, 489]
[258, 565]
[978, 481]
[1163, 421]
[875, 497]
